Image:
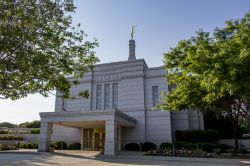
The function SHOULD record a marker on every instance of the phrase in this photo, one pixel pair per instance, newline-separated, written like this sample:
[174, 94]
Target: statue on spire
[132, 31]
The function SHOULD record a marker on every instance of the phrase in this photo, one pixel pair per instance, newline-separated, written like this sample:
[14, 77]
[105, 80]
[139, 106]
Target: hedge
[8, 147]
[60, 145]
[197, 136]
[165, 145]
[11, 138]
[209, 147]
[4, 132]
[74, 146]
[35, 131]
[132, 146]
[28, 146]
[146, 146]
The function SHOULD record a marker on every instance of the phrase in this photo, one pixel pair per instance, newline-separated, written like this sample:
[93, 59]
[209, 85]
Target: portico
[109, 122]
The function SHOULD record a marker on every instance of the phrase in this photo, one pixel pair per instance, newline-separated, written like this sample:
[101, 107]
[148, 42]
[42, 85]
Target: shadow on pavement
[64, 158]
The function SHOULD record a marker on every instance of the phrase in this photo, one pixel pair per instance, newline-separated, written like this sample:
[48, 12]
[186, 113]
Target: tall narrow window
[115, 96]
[106, 96]
[155, 95]
[99, 97]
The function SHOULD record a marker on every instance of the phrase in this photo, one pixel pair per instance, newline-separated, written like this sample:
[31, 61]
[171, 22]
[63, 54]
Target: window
[106, 96]
[115, 96]
[99, 97]
[155, 95]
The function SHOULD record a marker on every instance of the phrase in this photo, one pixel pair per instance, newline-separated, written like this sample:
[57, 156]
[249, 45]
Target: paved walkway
[90, 158]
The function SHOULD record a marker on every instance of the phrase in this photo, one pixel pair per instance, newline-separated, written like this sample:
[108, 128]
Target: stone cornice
[66, 114]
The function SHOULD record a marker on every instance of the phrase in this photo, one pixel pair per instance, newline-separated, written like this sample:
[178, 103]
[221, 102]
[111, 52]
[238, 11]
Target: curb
[25, 152]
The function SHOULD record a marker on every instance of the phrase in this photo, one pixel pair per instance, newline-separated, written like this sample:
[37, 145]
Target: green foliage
[60, 145]
[74, 146]
[197, 135]
[146, 146]
[11, 138]
[165, 145]
[212, 71]
[244, 129]
[132, 146]
[208, 69]
[28, 146]
[4, 132]
[216, 121]
[186, 145]
[8, 147]
[40, 48]
[7, 125]
[35, 131]
[208, 147]
[33, 124]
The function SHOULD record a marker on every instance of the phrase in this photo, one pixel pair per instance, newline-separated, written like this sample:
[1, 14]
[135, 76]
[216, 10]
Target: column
[45, 136]
[119, 136]
[82, 138]
[110, 137]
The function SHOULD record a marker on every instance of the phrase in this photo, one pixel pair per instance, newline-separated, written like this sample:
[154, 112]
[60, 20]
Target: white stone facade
[135, 82]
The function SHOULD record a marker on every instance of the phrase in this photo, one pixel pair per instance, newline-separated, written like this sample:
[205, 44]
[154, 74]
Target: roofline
[121, 62]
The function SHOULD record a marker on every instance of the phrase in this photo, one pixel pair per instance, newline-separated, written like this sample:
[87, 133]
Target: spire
[132, 46]
[131, 50]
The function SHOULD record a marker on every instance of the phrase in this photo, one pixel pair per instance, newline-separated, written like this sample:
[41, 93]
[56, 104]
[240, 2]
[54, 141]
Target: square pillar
[119, 137]
[45, 136]
[110, 137]
[82, 138]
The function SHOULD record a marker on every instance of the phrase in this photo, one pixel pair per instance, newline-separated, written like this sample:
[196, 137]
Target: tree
[33, 124]
[40, 48]
[214, 120]
[7, 124]
[212, 72]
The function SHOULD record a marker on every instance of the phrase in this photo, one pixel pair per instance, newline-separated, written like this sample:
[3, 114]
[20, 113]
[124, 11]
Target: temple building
[118, 110]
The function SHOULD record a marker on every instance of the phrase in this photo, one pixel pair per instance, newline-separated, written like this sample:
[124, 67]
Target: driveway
[77, 158]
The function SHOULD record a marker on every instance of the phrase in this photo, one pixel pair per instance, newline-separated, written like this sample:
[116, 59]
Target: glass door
[88, 138]
[97, 141]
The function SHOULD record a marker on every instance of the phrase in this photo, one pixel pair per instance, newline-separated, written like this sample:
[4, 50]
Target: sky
[160, 25]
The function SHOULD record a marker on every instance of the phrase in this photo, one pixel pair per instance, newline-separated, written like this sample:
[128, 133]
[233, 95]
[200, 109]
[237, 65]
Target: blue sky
[160, 25]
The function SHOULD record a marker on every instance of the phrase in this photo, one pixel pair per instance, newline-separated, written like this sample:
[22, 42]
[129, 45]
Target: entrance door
[97, 141]
[103, 139]
[88, 138]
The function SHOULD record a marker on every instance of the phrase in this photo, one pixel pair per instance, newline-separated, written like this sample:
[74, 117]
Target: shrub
[35, 131]
[132, 146]
[146, 146]
[74, 146]
[11, 138]
[185, 145]
[23, 146]
[60, 145]
[4, 132]
[7, 147]
[28, 146]
[223, 147]
[197, 136]
[222, 124]
[208, 147]
[165, 145]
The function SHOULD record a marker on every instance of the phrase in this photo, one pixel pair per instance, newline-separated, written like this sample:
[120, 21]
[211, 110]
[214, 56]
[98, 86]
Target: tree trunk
[236, 131]
[235, 119]
[236, 142]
